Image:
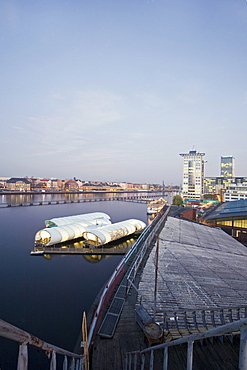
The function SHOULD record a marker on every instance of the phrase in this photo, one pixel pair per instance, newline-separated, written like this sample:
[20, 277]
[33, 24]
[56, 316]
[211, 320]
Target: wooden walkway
[109, 354]
[199, 268]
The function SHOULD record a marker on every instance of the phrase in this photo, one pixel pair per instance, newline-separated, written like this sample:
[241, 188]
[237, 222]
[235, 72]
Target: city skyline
[114, 91]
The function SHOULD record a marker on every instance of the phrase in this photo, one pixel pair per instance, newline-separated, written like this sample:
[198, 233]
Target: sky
[115, 90]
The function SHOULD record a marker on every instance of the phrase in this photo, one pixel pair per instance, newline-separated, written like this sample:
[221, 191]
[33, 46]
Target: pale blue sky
[114, 90]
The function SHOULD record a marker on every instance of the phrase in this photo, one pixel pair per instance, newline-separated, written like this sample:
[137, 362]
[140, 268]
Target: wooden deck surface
[109, 354]
[199, 268]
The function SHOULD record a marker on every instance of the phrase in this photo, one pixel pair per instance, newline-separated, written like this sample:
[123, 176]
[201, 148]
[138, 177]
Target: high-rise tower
[227, 166]
[193, 175]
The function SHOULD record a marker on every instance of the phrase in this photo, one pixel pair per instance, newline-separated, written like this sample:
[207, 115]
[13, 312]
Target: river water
[47, 297]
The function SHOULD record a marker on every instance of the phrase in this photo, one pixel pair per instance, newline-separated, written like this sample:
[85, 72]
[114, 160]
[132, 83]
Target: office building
[210, 185]
[193, 175]
[227, 166]
[235, 192]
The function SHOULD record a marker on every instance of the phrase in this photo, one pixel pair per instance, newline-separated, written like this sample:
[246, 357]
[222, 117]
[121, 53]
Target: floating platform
[95, 229]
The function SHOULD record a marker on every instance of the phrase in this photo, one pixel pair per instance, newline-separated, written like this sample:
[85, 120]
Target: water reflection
[91, 255]
[25, 199]
[94, 258]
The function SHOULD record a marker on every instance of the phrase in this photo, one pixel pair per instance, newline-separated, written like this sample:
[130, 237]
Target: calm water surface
[47, 297]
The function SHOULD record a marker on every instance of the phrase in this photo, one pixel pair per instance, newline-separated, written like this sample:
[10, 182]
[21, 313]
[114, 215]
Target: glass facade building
[227, 166]
[230, 217]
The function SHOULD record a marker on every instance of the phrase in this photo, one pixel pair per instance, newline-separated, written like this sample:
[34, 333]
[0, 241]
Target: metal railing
[18, 335]
[136, 359]
[145, 240]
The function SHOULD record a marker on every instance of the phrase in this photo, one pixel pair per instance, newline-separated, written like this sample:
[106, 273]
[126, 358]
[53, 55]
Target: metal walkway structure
[145, 358]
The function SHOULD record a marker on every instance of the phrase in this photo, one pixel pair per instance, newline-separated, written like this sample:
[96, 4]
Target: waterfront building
[240, 180]
[71, 185]
[18, 184]
[226, 187]
[227, 166]
[193, 175]
[210, 185]
[3, 182]
[235, 191]
[230, 217]
[100, 186]
[222, 184]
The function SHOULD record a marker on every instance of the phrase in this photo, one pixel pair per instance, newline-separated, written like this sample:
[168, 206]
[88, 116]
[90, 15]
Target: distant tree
[177, 200]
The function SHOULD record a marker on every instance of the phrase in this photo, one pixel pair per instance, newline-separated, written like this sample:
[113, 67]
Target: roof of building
[227, 209]
[199, 267]
[177, 211]
[17, 179]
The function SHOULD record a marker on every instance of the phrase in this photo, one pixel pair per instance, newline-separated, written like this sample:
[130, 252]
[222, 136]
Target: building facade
[230, 217]
[193, 175]
[210, 185]
[227, 166]
[235, 192]
[18, 184]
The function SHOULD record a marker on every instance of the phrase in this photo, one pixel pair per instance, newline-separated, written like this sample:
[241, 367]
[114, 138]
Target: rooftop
[228, 209]
[198, 266]
[199, 269]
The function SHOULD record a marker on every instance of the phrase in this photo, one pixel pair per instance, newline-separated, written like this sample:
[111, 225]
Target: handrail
[16, 334]
[240, 325]
[220, 330]
[134, 268]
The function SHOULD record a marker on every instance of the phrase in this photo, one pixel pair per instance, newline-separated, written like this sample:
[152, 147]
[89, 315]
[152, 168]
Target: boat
[156, 205]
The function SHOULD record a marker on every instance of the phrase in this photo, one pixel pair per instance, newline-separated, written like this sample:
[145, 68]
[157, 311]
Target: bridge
[131, 198]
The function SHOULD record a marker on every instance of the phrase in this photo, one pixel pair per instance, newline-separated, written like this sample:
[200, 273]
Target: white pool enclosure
[95, 228]
[95, 217]
[106, 234]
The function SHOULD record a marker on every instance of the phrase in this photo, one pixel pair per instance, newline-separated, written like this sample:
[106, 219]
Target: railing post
[129, 361]
[65, 363]
[72, 365]
[143, 362]
[78, 364]
[53, 363]
[165, 362]
[243, 348]
[81, 364]
[135, 361]
[23, 357]
[190, 355]
[151, 363]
